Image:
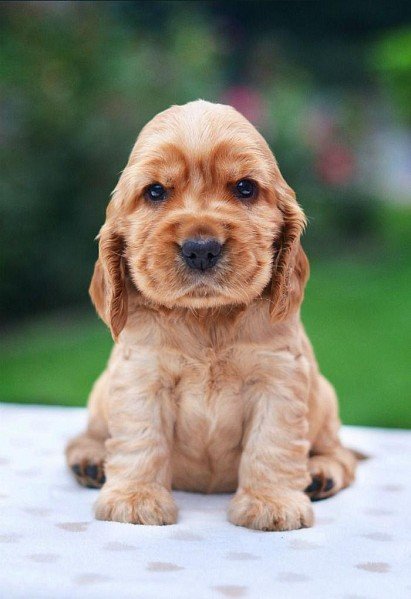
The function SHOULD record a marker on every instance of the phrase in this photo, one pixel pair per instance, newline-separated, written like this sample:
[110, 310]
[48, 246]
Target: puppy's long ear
[108, 284]
[290, 264]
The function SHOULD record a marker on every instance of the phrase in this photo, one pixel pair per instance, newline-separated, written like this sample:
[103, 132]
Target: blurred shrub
[391, 60]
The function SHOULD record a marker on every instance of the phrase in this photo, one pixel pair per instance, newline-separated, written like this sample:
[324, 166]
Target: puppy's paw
[268, 510]
[330, 473]
[89, 474]
[85, 457]
[327, 477]
[321, 487]
[144, 504]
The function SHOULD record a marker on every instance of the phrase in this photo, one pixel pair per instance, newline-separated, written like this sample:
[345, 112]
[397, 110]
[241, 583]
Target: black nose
[201, 253]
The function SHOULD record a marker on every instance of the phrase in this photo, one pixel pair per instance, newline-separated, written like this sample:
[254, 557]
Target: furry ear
[108, 285]
[290, 264]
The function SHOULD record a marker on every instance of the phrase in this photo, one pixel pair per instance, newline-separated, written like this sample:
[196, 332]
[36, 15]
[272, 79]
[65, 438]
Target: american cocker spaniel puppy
[212, 385]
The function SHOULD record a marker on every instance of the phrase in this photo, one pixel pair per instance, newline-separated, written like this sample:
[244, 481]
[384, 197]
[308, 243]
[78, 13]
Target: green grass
[357, 313]
[359, 321]
[53, 360]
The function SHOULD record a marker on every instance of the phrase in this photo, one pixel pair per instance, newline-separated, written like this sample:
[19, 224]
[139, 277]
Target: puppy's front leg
[273, 469]
[138, 468]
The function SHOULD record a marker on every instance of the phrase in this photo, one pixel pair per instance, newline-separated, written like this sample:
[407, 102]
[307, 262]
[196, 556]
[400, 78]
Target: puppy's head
[201, 217]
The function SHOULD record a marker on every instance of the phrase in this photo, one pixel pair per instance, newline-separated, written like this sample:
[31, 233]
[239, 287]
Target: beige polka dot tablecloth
[51, 546]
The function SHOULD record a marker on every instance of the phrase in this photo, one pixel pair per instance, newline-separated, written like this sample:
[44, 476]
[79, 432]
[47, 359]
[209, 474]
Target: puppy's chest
[208, 431]
[210, 392]
[209, 403]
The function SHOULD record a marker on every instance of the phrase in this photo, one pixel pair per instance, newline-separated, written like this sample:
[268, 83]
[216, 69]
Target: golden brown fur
[212, 385]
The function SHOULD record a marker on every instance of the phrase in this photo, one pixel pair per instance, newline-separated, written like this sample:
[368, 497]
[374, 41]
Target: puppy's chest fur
[204, 382]
[209, 416]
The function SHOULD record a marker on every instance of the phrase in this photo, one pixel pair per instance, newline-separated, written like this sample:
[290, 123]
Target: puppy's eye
[245, 189]
[155, 192]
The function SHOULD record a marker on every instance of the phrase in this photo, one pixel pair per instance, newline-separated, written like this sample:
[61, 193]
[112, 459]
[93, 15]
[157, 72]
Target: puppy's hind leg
[86, 453]
[330, 472]
[331, 466]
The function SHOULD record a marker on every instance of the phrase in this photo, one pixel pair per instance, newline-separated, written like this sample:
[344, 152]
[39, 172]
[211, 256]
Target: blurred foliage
[391, 59]
[79, 79]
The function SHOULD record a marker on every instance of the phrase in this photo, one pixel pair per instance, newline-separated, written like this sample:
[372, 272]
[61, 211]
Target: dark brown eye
[245, 189]
[155, 192]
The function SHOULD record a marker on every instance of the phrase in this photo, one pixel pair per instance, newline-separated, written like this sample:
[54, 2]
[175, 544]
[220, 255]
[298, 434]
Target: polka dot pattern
[231, 590]
[359, 545]
[43, 558]
[379, 567]
[163, 567]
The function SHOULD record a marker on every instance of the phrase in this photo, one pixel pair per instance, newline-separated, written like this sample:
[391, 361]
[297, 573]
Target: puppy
[212, 385]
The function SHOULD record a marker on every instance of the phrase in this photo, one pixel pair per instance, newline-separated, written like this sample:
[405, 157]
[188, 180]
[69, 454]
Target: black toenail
[329, 483]
[91, 472]
[76, 469]
[314, 486]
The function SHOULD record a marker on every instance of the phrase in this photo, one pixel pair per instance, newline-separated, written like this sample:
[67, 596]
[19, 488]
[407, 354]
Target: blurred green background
[328, 84]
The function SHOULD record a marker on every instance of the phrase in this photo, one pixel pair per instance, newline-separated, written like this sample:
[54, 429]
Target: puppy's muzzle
[201, 254]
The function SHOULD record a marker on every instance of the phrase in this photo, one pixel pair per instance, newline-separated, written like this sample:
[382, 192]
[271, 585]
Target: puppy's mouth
[203, 284]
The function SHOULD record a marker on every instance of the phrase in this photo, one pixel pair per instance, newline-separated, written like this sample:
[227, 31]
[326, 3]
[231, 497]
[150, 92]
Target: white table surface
[51, 546]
